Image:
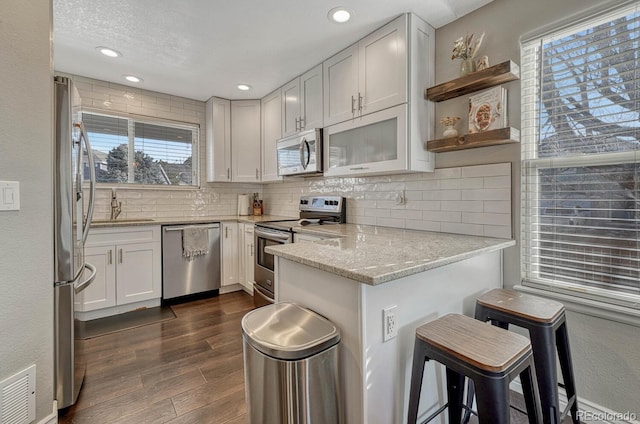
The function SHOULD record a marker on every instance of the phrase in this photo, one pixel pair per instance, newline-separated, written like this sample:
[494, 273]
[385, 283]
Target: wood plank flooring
[185, 370]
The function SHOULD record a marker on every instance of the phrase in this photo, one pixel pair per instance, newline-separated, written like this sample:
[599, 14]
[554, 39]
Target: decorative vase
[450, 131]
[467, 66]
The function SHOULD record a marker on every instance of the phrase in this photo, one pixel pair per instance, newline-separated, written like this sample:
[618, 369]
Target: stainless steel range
[314, 210]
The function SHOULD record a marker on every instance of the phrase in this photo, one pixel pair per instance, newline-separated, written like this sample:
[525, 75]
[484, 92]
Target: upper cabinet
[233, 140]
[218, 144]
[368, 76]
[375, 114]
[245, 140]
[302, 103]
[271, 109]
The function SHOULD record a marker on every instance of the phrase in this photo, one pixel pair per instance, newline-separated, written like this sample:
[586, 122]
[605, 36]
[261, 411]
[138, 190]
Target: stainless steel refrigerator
[73, 208]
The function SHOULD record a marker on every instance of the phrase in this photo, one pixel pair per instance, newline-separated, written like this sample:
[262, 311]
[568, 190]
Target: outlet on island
[389, 323]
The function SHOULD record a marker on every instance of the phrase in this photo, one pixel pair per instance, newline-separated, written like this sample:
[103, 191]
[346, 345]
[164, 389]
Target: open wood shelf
[475, 81]
[472, 141]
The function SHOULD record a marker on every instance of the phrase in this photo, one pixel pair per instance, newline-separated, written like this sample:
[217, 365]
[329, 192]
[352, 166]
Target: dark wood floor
[185, 370]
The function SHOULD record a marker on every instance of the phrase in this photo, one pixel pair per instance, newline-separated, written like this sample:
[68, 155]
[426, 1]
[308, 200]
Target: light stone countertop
[249, 219]
[375, 255]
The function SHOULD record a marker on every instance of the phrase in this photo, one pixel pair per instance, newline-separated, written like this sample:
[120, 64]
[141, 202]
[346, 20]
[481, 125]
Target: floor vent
[19, 397]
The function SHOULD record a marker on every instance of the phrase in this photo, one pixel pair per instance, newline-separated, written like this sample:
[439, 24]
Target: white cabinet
[341, 86]
[271, 110]
[128, 269]
[245, 140]
[218, 139]
[388, 120]
[230, 254]
[302, 102]
[247, 253]
[368, 76]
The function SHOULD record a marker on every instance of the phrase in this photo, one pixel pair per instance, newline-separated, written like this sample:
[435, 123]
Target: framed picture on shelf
[488, 110]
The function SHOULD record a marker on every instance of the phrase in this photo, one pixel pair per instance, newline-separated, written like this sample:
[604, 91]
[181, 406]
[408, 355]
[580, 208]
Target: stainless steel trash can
[290, 366]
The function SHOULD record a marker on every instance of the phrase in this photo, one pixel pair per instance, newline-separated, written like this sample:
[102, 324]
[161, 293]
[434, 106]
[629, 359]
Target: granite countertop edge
[132, 222]
[385, 277]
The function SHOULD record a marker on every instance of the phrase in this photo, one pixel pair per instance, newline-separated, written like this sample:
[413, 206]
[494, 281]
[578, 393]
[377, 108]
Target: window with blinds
[163, 153]
[581, 167]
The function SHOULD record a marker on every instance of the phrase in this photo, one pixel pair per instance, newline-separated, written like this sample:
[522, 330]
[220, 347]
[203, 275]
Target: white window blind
[163, 152]
[581, 155]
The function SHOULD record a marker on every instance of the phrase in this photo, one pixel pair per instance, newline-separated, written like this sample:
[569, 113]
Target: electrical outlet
[400, 200]
[389, 323]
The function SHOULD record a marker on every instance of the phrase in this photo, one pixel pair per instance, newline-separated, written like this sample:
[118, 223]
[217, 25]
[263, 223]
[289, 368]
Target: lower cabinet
[230, 255]
[128, 263]
[248, 252]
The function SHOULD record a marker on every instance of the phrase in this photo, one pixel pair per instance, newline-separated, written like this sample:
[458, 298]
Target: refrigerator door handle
[92, 181]
[81, 286]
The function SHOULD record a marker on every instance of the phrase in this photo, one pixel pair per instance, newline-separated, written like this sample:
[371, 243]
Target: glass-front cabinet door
[372, 144]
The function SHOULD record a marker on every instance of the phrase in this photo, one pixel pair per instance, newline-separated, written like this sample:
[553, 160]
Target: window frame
[131, 120]
[611, 304]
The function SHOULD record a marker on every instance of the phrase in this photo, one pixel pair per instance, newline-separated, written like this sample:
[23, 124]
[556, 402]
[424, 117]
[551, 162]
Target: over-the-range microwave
[301, 153]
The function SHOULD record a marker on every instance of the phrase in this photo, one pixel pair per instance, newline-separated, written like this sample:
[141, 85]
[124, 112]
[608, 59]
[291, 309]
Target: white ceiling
[200, 48]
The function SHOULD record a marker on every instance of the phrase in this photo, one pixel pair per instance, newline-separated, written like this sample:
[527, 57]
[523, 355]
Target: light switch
[9, 195]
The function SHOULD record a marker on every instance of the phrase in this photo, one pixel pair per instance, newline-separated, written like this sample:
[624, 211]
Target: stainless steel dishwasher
[189, 277]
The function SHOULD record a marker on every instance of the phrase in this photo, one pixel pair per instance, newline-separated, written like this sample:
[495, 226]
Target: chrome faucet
[116, 207]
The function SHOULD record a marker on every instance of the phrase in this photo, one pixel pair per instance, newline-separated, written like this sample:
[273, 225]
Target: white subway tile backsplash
[486, 170]
[484, 218]
[487, 194]
[503, 181]
[497, 231]
[442, 216]
[497, 206]
[462, 228]
[423, 225]
[462, 206]
[461, 183]
[390, 222]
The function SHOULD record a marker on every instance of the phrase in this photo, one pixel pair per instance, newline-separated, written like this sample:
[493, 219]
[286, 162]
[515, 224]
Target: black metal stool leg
[531, 395]
[543, 343]
[492, 398]
[468, 405]
[417, 372]
[455, 393]
[564, 355]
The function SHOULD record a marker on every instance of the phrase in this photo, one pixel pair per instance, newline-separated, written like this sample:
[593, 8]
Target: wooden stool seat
[490, 356]
[522, 305]
[546, 322]
[475, 342]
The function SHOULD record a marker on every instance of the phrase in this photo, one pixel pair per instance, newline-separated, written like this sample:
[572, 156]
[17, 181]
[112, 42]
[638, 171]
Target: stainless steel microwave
[300, 153]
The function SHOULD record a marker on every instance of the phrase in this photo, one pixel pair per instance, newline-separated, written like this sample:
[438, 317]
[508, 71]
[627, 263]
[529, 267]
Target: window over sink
[165, 153]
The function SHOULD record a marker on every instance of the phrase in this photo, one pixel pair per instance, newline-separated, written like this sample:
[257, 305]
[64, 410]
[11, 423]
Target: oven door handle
[272, 236]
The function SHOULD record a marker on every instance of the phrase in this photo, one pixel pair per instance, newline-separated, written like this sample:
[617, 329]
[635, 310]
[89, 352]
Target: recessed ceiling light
[339, 15]
[244, 87]
[132, 78]
[108, 52]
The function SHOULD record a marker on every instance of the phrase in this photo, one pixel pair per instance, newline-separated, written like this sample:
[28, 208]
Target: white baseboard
[596, 414]
[52, 418]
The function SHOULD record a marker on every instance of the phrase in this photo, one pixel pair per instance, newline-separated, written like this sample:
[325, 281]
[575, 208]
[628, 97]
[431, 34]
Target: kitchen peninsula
[415, 276]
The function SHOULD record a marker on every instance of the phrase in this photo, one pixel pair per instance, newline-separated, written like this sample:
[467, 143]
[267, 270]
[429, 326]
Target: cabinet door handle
[360, 102]
[257, 174]
[358, 168]
[301, 123]
[297, 121]
[226, 232]
[110, 257]
[252, 250]
[353, 105]
[120, 254]
[228, 174]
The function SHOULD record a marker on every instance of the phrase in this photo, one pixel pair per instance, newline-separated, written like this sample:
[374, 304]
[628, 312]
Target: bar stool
[546, 322]
[488, 355]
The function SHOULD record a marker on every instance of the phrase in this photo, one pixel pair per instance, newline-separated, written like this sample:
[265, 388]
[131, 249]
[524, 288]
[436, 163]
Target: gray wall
[605, 353]
[26, 246]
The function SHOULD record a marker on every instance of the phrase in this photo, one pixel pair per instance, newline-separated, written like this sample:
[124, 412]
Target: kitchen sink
[113, 221]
